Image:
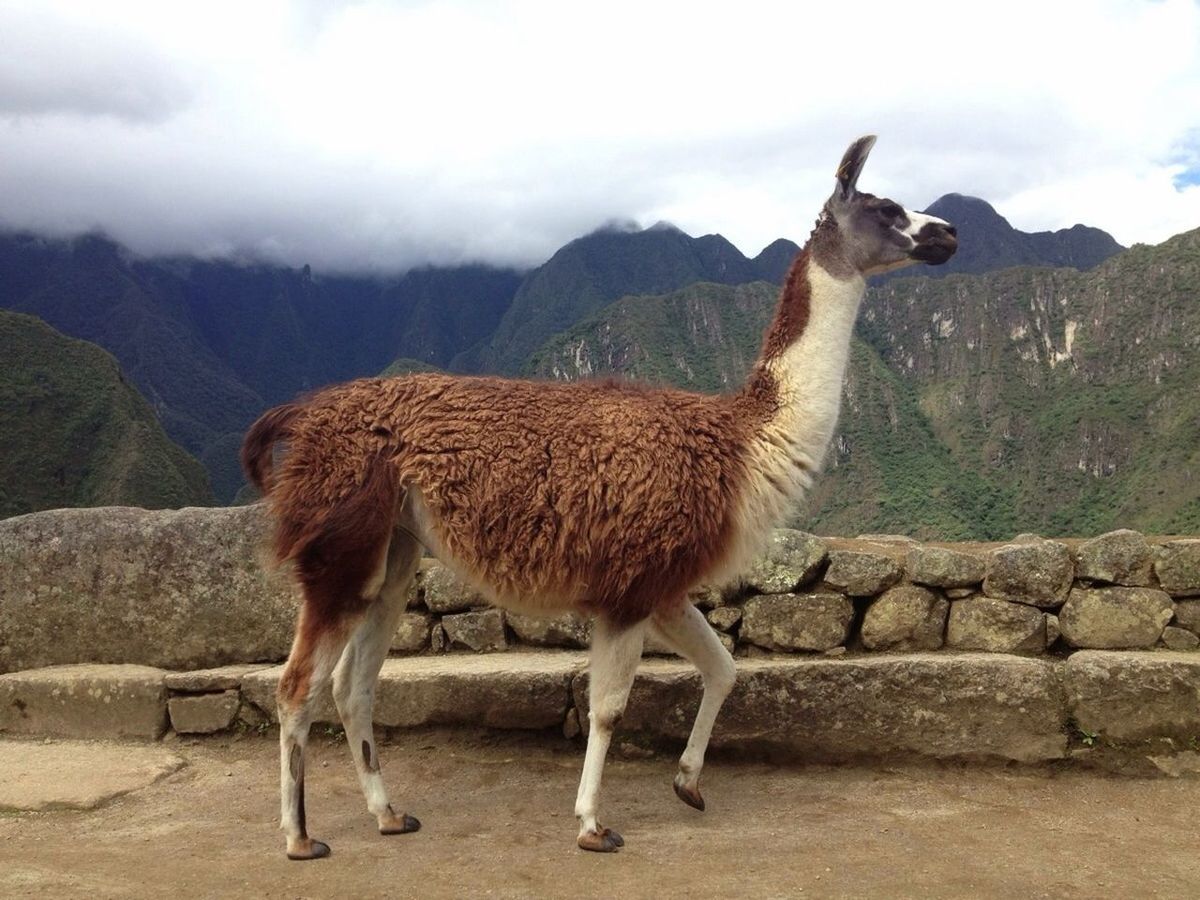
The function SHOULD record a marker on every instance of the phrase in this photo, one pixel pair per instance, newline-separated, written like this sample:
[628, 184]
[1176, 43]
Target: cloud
[51, 65]
[381, 135]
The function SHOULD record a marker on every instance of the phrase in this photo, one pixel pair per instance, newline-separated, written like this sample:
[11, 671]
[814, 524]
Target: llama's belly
[528, 596]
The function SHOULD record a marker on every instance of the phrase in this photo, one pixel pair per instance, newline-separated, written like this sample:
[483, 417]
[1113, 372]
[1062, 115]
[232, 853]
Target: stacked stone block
[887, 594]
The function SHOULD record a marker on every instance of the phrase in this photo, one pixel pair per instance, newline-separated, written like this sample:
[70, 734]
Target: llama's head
[874, 234]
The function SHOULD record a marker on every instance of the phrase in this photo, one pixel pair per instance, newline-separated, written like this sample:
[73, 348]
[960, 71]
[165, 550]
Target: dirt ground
[498, 823]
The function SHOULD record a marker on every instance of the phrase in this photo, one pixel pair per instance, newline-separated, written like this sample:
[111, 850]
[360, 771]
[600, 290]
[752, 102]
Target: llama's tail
[336, 501]
[347, 531]
[258, 446]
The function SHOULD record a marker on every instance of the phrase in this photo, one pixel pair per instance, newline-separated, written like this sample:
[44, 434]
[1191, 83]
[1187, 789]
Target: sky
[376, 136]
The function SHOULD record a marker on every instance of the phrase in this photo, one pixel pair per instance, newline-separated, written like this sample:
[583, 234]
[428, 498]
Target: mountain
[1039, 399]
[75, 432]
[589, 273]
[93, 289]
[1072, 393]
[212, 343]
[704, 336]
[284, 331]
[775, 260]
[988, 242]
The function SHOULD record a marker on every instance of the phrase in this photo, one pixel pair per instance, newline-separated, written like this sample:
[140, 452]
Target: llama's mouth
[935, 244]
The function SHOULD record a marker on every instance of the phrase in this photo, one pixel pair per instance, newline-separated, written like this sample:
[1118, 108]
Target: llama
[608, 498]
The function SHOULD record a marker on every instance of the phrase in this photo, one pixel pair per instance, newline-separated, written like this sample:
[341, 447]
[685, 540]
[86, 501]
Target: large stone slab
[906, 617]
[1135, 696]
[969, 706]
[860, 573]
[1178, 567]
[995, 626]
[939, 567]
[565, 630]
[85, 701]
[481, 630]
[203, 713]
[444, 592]
[38, 776]
[797, 621]
[1034, 571]
[178, 589]
[201, 681]
[1120, 557]
[791, 560]
[494, 690]
[1111, 618]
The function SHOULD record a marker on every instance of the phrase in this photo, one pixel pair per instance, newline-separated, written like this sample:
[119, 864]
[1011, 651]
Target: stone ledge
[85, 701]
[499, 690]
[935, 705]
[940, 705]
[1135, 696]
[203, 681]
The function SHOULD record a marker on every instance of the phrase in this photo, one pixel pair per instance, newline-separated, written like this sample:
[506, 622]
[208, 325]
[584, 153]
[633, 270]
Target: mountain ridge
[211, 343]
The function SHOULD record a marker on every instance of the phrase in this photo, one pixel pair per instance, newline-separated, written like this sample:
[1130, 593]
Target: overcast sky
[381, 135]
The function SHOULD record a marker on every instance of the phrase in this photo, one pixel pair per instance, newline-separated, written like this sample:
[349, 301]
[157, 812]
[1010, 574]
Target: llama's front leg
[304, 678]
[357, 674]
[614, 658]
[686, 630]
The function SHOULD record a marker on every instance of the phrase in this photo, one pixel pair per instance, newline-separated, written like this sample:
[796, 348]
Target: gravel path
[497, 816]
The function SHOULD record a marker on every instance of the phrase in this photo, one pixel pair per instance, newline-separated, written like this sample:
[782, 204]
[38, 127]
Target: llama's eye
[891, 210]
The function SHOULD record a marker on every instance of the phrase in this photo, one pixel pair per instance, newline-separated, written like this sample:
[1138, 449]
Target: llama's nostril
[950, 230]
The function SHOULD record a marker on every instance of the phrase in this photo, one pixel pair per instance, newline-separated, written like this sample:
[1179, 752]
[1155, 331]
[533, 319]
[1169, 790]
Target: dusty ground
[497, 816]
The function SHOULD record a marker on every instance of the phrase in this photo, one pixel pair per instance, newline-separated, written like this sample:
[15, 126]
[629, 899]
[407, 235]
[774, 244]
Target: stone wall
[881, 593]
[185, 589]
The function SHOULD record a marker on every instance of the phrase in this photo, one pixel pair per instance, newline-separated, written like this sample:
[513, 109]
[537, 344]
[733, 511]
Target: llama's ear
[852, 164]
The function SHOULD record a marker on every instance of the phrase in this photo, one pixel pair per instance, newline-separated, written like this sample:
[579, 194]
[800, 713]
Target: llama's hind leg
[316, 648]
[685, 629]
[614, 659]
[357, 673]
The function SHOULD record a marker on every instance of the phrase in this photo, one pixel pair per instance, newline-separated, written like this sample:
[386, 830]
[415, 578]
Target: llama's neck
[796, 386]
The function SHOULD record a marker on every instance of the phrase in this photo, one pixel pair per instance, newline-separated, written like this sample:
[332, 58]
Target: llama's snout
[936, 242]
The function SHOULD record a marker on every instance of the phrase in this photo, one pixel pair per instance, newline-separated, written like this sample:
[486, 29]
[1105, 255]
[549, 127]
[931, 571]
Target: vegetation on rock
[74, 432]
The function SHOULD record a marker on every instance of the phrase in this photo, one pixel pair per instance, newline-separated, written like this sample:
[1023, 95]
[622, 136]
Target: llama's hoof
[307, 848]
[689, 793]
[390, 823]
[603, 841]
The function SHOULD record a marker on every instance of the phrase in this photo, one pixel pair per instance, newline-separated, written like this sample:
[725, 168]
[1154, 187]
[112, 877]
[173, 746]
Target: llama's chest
[783, 459]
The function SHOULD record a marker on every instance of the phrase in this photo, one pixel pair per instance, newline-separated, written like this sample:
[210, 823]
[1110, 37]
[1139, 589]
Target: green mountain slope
[1075, 391]
[74, 432]
[211, 344]
[704, 336]
[591, 272]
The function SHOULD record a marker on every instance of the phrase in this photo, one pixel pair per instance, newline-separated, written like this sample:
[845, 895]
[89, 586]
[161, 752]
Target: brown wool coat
[602, 496]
